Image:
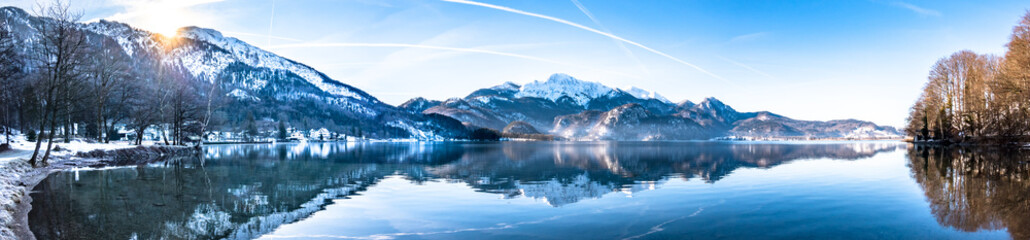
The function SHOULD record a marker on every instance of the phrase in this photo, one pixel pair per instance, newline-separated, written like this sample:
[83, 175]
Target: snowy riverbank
[17, 177]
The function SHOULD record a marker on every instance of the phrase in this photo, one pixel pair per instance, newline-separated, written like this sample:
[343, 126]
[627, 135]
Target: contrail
[609, 31]
[746, 67]
[469, 50]
[271, 19]
[263, 35]
[566, 22]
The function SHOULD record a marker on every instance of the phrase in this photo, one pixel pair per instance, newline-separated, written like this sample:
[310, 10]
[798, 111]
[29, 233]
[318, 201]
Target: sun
[162, 17]
[165, 22]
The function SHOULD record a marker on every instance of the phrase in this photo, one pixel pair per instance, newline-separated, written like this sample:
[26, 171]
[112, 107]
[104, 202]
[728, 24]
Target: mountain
[645, 94]
[418, 105]
[628, 122]
[575, 109]
[565, 88]
[253, 80]
[519, 127]
[766, 125]
[538, 103]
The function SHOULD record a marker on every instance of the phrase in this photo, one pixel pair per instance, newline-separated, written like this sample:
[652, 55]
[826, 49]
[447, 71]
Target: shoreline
[19, 178]
[1014, 145]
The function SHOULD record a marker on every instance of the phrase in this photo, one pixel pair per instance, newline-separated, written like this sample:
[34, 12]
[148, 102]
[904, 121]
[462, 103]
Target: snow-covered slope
[539, 102]
[239, 51]
[561, 85]
[581, 92]
[257, 81]
[577, 109]
[645, 94]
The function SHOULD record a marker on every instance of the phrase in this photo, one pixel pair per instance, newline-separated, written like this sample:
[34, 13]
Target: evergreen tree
[282, 130]
[30, 136]
[251, 130]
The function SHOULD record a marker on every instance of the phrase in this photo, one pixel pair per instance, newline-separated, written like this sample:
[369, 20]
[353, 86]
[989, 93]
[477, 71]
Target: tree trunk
[39, 137]
[68, 129]
[164, 133]
[50, 138]
[139, 135]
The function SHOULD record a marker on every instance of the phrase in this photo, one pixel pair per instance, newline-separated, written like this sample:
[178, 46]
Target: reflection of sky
[811, 198]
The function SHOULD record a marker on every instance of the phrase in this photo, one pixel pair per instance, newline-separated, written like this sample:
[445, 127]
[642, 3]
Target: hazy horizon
[810, 60]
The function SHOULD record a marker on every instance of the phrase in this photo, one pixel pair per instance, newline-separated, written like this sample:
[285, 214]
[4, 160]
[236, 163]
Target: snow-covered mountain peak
[205, 64]
[718, 109]
[507, 86]
[15, 12]
[713, 103]
[199, 33]
[213, 37]
[563, 79]
[562, 85]
[645, 94]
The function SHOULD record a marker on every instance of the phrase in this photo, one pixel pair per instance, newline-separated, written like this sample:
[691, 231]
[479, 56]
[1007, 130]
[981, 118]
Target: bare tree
[59, 58]
[139, 104]
[1014, 85]
[108, 70]
[970, 96]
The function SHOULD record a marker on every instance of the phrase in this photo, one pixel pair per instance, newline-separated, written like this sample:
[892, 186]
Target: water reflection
[973, 189]
[565, 173]
[244, 191]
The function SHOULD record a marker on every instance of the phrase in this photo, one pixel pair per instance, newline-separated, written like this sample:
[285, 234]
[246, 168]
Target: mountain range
[253, 80]
[582, 110]
[273, 88]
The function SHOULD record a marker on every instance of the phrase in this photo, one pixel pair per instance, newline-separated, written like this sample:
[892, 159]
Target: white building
[320, 134]
[297, 135]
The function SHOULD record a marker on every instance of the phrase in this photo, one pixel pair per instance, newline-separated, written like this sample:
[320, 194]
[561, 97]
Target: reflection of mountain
[976, 189]
[244, 191]
[568, 172]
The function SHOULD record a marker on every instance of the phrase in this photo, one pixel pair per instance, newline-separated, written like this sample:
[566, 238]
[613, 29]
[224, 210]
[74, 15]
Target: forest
[977, 98]
[72, 81]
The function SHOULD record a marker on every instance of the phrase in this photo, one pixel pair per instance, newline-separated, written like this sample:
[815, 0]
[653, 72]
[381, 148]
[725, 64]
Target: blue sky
[812, 60]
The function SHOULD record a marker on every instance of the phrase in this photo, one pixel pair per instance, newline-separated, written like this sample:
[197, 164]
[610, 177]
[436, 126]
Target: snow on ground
[645, 94]
[21, 149]
[16, 173]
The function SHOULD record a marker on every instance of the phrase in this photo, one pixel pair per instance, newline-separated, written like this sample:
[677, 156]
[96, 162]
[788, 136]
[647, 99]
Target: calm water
[542, 190]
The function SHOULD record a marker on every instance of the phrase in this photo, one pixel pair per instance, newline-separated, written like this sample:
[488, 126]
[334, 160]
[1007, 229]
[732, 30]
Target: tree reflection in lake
[975, 189]
[244, 191]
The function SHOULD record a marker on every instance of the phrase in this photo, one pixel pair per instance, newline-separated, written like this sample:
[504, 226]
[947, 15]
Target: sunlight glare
[164, 17]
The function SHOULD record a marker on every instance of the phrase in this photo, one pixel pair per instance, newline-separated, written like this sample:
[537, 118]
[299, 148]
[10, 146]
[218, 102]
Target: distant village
[155, 134]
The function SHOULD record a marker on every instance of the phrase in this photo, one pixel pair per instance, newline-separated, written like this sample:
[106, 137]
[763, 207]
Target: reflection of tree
[976, 189]
[237, 192]
[565, 173]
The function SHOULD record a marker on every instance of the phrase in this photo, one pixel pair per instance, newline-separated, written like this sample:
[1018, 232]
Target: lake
[548, 190]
